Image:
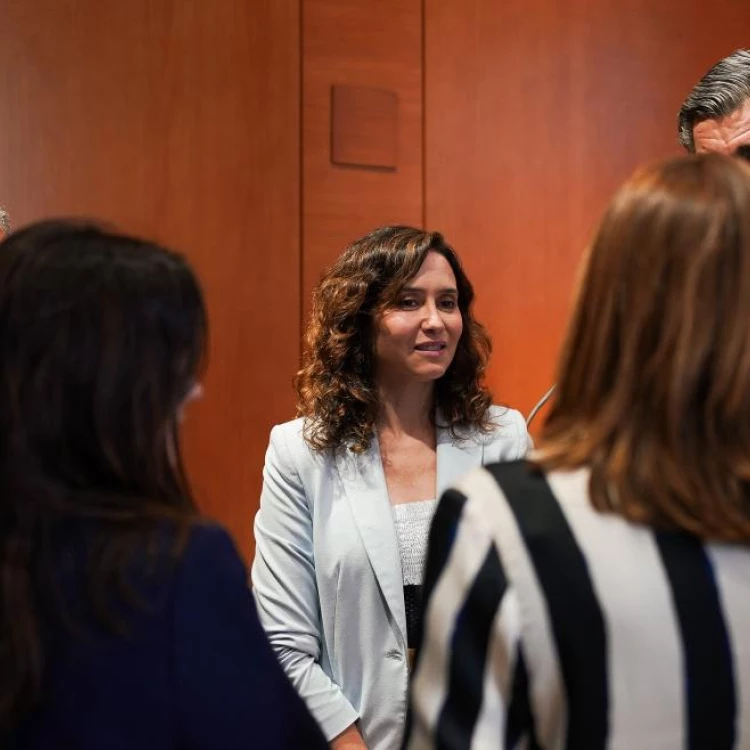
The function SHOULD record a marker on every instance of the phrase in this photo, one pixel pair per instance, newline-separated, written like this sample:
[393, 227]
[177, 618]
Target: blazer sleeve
[512, 440]
[525, 442]
[231, 692]
[283, 577]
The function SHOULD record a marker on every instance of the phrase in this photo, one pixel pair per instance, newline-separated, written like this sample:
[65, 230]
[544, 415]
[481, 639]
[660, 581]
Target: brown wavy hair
[654, 379]
[336, 391]
[101, 338]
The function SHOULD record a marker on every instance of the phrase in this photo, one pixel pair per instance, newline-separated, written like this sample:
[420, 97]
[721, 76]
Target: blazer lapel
[455, 458]
[364, 483]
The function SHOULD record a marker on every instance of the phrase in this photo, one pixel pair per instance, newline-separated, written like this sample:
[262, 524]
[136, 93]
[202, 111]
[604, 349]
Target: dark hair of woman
[101, 339]
[336, 389]
[654, 381]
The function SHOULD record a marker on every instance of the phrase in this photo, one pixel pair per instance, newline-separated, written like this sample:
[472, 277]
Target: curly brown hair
[336, 390]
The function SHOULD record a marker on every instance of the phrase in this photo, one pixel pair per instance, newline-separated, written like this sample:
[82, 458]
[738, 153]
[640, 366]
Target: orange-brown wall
[364, 45]
[261, 136]
[535, 111]
[531, 114]
[179, 121]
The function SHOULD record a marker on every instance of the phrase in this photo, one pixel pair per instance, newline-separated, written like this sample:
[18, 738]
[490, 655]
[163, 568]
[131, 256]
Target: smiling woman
[417, 336]
[339, 386]
[393, 409]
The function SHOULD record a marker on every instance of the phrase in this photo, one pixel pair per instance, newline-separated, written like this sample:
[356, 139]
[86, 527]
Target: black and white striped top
[549, 625]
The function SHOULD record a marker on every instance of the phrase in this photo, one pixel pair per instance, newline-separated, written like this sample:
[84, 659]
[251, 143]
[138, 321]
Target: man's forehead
[724, 134]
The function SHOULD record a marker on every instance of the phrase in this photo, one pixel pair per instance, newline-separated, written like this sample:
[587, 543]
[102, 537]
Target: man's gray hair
[4, 220]
[723, 90]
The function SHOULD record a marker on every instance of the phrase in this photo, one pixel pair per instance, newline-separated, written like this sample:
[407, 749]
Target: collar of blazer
[363, 480]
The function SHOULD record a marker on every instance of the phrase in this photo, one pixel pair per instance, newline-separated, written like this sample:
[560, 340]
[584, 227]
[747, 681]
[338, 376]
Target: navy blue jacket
[195, 671]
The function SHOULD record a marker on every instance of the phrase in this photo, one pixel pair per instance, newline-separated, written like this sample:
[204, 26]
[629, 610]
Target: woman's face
[417, 337]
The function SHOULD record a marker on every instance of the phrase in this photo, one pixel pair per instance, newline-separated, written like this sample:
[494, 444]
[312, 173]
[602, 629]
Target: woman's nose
[433, 319]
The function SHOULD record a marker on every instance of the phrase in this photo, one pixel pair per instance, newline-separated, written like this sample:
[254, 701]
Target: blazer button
[394, 654]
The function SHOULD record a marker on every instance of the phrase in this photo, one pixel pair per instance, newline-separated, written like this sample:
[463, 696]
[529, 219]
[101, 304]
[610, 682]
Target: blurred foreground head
[101, 341]
[654, 379]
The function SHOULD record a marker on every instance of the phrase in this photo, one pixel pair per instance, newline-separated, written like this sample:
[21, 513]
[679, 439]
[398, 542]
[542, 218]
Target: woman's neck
[406, 409]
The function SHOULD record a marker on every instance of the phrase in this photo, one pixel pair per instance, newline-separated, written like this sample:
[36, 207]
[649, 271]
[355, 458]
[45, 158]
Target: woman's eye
[449, 304]
[408, 304]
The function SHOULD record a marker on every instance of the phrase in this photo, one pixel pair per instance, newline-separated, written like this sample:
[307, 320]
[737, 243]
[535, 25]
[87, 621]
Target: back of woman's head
[101, 340]
[654, 381]
[336, 389]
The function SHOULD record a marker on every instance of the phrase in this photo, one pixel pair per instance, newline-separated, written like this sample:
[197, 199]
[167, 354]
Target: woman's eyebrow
[446, 290]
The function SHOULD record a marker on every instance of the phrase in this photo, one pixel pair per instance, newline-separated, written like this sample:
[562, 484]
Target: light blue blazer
[327, 572]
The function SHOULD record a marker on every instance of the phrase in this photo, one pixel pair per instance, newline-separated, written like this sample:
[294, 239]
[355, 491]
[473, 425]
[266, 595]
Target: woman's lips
[431, 348]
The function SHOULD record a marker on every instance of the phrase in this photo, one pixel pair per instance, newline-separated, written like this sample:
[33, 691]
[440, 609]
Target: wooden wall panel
[363, 44]
[179, 121]
[535, 111]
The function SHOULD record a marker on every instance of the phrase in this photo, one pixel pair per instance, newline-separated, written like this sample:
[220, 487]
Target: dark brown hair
[335, 388]
[654, 380]
[101, 339]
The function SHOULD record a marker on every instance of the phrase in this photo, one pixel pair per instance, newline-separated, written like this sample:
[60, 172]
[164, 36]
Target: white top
[412, 521]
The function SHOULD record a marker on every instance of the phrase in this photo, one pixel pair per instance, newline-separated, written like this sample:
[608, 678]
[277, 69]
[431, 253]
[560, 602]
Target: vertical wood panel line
[301, 174]
[423, 78]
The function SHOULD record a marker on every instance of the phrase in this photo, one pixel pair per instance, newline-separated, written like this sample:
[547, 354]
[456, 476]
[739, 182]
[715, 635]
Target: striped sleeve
[469, 688]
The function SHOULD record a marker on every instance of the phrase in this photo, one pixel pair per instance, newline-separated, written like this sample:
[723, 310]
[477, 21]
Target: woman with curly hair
[393, 408]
